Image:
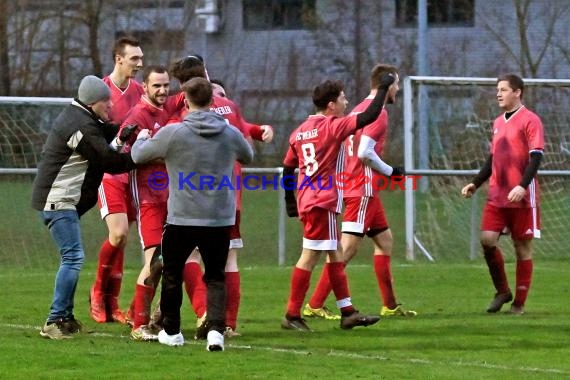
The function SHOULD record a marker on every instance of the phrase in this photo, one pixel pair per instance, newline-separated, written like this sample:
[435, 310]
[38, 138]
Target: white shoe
[215, 341]
[170, 340]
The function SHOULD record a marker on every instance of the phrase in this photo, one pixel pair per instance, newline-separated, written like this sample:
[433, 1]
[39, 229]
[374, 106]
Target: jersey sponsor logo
[529, 232]
[223, 110]
[307, 135]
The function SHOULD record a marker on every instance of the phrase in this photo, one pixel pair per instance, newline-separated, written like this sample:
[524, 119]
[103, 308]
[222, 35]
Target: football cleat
[202, 327]
[398, 311]
[143, 334]
[498, 302]
[322, 312]
[97, 309]
[517, 310]
[295, 323]
[230, 333]
[356, 319]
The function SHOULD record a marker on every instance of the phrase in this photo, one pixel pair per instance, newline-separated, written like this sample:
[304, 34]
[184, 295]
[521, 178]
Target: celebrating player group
[111, 142]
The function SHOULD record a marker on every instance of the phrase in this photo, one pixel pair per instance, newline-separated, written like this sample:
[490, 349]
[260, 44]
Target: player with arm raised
[114, 199]
[315, 149]
[517, 148]
[364, 213]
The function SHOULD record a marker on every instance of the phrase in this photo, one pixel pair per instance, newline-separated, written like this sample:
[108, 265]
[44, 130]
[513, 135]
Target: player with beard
[150, 195]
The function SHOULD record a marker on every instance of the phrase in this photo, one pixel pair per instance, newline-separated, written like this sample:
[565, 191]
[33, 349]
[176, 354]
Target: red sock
[524, 276]
[233, 297]
[322, 290]
[339, 283]
[143, 299]
[300, 282]
[195, 287]
[115, 280]
[104, 268]
[384, 278]
[496, 264]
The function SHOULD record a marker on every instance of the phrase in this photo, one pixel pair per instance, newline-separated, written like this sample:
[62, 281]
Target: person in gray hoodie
[199, 154]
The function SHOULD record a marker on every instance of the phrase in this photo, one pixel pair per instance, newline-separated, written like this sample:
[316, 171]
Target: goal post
[447, 131]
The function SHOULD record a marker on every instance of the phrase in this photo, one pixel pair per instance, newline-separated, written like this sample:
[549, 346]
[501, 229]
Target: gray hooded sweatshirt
[199, 154]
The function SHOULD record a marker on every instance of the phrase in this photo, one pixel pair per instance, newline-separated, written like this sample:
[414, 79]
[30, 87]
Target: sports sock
[339, 283]
[496, 264]
[384, 278]
[142, 302]
[322, 290]
[115, 280]
[300, 281]
[233, 297]
[104, 269]
[195, 287]
[524, 276]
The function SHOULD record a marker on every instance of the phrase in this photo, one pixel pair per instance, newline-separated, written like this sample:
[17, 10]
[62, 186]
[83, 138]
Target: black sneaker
[72, 325]
[294, 323]
[498, 302]
[357, 319]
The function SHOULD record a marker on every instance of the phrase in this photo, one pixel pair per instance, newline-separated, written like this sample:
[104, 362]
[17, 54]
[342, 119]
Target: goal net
[447, 132]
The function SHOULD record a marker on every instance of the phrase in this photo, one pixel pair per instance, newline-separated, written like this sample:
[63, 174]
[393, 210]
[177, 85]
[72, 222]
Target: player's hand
[143, 134]
[398, 171]
[267, 135]
[468, 191]
[291, 207]
[516, 194]
[127, 132]
[386, 81]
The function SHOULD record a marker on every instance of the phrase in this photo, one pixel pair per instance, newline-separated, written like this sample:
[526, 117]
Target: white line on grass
[341, 354]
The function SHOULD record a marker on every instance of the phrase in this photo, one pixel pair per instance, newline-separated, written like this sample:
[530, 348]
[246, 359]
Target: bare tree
[537, 24]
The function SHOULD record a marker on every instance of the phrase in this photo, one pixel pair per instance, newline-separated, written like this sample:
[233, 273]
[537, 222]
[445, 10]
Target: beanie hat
[92, 89]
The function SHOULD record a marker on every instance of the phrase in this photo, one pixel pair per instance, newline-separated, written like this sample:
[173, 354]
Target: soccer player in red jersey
[512, 206]
[364, 213]
[184, 70]
[114, 196]
[315, 149]
[149, 185]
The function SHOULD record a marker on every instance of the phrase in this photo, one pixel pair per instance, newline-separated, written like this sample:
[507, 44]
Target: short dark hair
[326, 92]
[160, 69]
[198, 91]
[218, 82]
[189, 67]
[515, 82]
[121, 42]
[377, 72]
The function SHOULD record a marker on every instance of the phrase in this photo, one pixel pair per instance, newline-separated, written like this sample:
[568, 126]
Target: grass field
[453, 337]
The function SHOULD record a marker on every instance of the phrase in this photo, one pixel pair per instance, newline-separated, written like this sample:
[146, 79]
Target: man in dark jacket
[75, 156]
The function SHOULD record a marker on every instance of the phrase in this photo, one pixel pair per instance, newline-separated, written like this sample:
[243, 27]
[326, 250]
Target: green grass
[451, 338]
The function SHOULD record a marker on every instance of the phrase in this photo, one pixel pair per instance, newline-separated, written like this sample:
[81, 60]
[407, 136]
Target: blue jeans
[64, 229]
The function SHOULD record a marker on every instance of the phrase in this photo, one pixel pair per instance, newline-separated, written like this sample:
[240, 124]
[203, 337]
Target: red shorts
[151, 219]
[235, 234]
[363, 214]
[115, 197]
[320, 232]
[522, 223]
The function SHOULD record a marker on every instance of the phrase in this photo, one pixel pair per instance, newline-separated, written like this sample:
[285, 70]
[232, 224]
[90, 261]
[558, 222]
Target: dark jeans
[177, 244]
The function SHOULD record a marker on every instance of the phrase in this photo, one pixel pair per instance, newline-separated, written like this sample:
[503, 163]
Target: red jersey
[352, 164]
[123, 102]
[315, 147]
[148, 116]
[513, 140]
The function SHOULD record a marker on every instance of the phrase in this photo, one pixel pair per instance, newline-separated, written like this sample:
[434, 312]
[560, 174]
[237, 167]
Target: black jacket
[74, 158]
